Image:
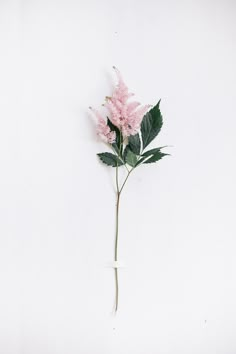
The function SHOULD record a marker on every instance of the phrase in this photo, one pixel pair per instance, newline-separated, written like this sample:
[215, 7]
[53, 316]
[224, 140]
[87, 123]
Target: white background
[57, 202]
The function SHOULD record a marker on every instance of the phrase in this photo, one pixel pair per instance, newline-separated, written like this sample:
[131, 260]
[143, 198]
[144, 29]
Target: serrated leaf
[151, 125]
[119, 138]
[110, 159]
[155, 157]
[115, 147]
[112, 126]
[140, 161]
[134, 143]
[129, 157]
[152, 151]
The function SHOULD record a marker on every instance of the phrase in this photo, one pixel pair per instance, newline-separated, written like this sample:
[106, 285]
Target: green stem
[125, 180]
[117, 231]
[116, 248]
[118, 193]
[120, 157]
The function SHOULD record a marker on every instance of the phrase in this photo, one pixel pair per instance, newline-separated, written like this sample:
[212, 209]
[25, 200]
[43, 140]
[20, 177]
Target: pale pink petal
[103, 130]
[126, 116]
[132, 106]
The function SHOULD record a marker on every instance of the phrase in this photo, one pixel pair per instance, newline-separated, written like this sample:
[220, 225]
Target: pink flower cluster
[126, 116]
[103, 129]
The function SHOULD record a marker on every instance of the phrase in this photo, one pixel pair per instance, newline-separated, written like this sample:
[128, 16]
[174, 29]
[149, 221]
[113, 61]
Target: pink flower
[127, 116]
[103, 130]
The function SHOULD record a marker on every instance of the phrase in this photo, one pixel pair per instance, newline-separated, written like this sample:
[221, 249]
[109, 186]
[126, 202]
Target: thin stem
[116, 249]
[117, 230]
[125, 180]
[127, 168]
[118, 192]
[117, 180]
[120, 157]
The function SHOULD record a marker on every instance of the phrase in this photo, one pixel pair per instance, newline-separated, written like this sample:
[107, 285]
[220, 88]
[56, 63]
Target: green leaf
[110, 159]
[152, 151]
[134, 143]
[115, 147]
[140, 161]
[119, 138]
[158, 155]
[151, 125]
[130, 158]
[152, 155]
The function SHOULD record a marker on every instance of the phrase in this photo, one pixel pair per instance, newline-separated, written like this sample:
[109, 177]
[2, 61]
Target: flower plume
[127, 116]
[103, 129]
[124, 114]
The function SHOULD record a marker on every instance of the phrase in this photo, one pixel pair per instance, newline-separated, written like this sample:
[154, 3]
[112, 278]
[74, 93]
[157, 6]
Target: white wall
[177, 233]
